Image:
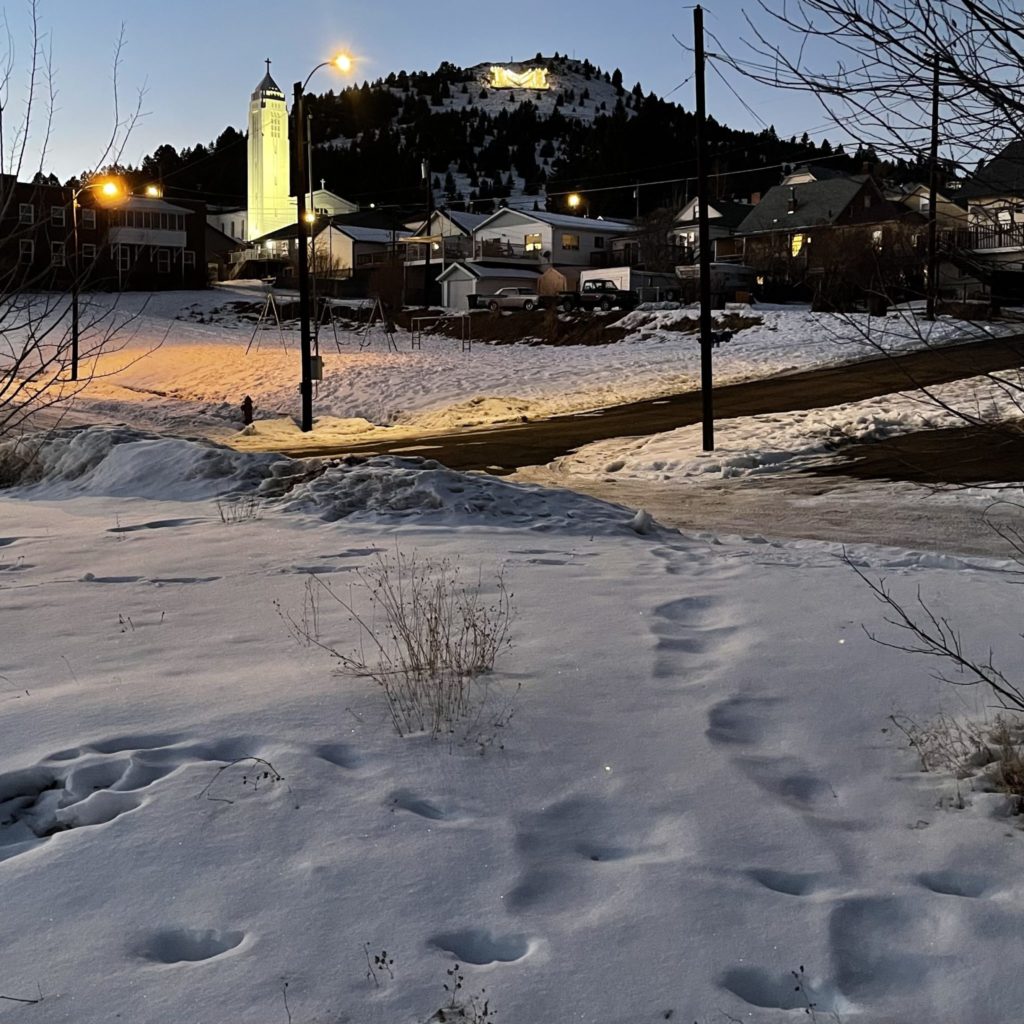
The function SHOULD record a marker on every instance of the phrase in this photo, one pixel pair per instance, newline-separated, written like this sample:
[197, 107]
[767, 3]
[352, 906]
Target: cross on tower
[267, 62]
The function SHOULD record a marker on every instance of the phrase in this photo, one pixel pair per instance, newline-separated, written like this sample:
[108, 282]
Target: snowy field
[679, 785]
[698, 792]
[184, 368]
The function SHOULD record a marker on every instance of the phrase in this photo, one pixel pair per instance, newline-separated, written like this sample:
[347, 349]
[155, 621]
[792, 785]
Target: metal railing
[499, 248]
[428, 324]
[987, 236]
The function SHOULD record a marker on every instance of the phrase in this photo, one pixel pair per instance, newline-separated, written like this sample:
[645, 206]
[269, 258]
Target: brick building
[138, 244]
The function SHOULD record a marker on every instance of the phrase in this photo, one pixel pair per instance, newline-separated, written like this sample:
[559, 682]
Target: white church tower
[269, 164]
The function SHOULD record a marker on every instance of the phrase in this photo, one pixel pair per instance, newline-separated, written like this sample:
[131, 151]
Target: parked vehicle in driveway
[597, 293]
[506, 299]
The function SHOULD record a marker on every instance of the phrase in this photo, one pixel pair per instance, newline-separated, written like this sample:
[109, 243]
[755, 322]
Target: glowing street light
[344, 63]
[574, 201]
[154, 191]
[113, 191]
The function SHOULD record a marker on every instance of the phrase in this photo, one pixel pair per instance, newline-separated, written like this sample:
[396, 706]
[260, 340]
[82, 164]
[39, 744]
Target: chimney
[755, 198]
[792, 199]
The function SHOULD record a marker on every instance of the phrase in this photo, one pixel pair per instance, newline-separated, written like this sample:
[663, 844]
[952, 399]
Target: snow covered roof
[484, 272]
[562, 220]
[816, 203]
[466, 221]
[362, 234]
[139, 203]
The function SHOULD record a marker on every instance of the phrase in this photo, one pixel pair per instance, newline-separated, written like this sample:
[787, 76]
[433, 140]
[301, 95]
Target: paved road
[507, 448]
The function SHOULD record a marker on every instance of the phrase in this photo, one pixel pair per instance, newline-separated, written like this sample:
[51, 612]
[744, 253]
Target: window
[163, 261]
[876, 238]
[570, 242]
[26, 213]
[26, 250]
[57, 216]
[88, 253]
[233, 235]
[923, 203]
[796, 244]
[88, 218]
[188, 258]
[867, 201]
[534, 243]
[57, 254]
[124, 257]
[598, 241]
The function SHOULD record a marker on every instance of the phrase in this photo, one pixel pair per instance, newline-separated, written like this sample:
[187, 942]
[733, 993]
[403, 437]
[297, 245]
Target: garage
[461, 280]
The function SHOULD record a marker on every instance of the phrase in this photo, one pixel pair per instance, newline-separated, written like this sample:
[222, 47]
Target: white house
[450, 234]
[545, 238]
[346, 247]
[460, 280]
[233, 221]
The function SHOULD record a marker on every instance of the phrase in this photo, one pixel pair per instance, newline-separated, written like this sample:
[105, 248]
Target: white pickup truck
[506, 298]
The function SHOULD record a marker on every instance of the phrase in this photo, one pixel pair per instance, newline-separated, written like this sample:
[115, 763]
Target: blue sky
[199, 59]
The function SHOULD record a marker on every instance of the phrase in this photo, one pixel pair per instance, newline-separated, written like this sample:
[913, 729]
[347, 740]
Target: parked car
[506, 298]
[597, 293]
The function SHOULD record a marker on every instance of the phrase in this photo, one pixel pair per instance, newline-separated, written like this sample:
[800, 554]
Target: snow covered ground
[184, 367]
[681, 784]
[699, 790]
[751, 445]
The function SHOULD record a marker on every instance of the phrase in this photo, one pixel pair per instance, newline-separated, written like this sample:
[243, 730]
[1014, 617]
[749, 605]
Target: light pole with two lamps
[343, 62]
[113, 190]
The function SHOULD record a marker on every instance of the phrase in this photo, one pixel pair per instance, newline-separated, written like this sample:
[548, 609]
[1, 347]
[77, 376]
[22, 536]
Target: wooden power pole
[704, 239]
[933, 197]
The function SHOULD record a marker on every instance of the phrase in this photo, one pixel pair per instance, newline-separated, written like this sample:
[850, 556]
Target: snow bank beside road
[791, 440]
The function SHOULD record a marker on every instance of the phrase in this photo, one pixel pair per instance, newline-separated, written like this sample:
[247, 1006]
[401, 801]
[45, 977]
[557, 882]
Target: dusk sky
[200, 60]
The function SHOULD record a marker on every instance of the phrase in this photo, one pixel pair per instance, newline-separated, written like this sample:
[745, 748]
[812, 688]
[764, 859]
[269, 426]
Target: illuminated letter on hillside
[533, 78]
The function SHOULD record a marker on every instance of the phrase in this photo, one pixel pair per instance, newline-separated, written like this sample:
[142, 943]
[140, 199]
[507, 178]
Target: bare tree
[878, 61]
[35, 301]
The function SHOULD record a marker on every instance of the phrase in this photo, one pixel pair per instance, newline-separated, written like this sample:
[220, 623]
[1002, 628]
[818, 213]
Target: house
[988, 251]
[139, 243]
[724, 217]
[994, 194]
[450, 234]
[338, 249]
[834, 240]
[460, 280]
[542, 239]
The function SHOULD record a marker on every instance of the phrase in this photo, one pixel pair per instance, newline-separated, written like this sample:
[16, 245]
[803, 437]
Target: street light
[575, 201]
[113, 190]
[343, 63]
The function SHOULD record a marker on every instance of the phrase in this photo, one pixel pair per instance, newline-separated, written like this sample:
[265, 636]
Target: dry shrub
[988, 755]
[425, 637]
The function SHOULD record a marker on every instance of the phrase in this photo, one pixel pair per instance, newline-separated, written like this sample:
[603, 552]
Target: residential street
[509, 448]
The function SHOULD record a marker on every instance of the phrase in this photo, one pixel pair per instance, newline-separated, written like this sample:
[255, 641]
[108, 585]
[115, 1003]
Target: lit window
[26, 250]
[26, 213]
[570, 242]
[876, 238]
[57, 216]
[88, 218]
[796, 244]
[534, 243]
[57, 254]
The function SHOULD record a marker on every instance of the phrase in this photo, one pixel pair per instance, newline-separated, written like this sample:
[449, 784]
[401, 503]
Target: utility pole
[305, 340]
[933, 194]
[425, 168]
[704, 239]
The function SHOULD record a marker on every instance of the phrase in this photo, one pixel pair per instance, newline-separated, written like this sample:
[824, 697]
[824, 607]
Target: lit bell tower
[269, 165]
